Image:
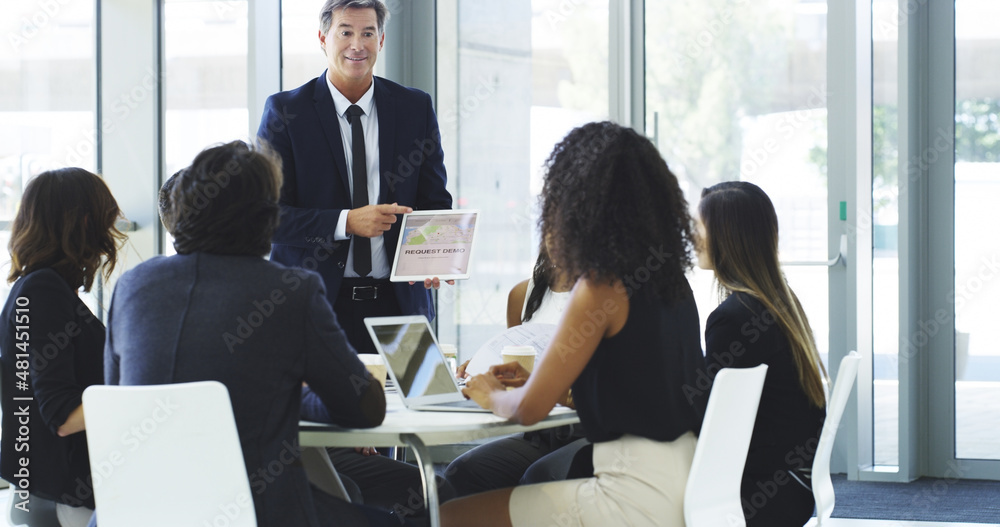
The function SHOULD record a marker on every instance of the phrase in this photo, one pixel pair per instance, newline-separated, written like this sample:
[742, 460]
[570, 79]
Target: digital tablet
[434, 243]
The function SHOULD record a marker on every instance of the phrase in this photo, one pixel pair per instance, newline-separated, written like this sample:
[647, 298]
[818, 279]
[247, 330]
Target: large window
[48, 99]
[977, 249]
[737, 91]
[513, 78]
[205, 79]
[885, 232]
[301, 57]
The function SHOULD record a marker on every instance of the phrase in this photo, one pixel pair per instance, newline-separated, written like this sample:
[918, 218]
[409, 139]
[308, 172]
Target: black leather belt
[363, 289]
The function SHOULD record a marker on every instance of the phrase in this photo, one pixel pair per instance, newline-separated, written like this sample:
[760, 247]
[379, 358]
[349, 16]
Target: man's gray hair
[330, 6]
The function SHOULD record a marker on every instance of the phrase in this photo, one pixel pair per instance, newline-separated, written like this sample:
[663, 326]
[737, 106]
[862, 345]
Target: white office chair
[166, 455]
[321, 472]
[40, 513]
[712, 496]
[821, 485]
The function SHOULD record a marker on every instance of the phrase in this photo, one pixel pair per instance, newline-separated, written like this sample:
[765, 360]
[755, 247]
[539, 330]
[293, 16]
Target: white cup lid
[519, 350]
[370, 358]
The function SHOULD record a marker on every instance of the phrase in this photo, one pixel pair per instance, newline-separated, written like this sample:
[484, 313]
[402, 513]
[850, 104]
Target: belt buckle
[366, 292]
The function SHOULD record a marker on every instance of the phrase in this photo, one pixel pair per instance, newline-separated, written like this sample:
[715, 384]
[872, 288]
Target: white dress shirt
[369, 121]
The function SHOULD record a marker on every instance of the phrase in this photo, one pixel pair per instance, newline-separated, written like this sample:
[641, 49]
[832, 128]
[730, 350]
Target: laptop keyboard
[468, 403]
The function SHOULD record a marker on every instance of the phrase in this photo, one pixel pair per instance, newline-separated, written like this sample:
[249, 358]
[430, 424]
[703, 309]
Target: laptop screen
[415, 359]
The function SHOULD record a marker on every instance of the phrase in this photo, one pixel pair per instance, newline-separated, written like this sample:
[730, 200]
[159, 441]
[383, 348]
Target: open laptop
[416, 365]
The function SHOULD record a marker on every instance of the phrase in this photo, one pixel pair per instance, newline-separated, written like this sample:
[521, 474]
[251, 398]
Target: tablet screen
[434, 243]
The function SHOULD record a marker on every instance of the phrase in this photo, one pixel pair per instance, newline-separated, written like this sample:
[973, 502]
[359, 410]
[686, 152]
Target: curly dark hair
[611, 209]
[66, 222]
[226, 202]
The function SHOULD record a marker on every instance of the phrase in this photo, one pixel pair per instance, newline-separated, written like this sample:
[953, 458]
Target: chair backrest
[322, 474]
[821, 484]
[37, 512]
[712, 497]
[166, 455]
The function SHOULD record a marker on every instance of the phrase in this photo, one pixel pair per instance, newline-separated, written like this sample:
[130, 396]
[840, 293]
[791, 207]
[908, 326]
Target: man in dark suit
[356, 151]
[325, 225]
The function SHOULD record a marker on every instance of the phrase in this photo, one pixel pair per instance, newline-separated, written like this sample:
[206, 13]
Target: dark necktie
[359, 171]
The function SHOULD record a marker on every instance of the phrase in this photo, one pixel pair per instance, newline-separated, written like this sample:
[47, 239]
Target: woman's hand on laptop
[480, 388]
[510, 374]
[366, 451]
[460, 371]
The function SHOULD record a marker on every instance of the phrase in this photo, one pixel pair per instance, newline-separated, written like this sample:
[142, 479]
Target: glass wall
[48, 98]
[301, 57]
[737, 91]
[205, 78]
[513, 78]
[977, 249]
[885, 231]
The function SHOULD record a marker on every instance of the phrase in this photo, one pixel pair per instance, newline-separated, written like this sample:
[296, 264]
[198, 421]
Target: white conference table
[422, 429]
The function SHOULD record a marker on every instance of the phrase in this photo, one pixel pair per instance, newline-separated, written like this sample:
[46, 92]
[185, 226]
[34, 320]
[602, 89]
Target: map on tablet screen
[434, 243]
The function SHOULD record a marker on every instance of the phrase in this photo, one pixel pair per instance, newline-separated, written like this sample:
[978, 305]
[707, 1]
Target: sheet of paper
[536, 335]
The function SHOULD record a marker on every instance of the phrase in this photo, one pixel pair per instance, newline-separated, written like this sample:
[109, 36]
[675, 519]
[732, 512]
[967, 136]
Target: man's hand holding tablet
[434, 245]
[434, 282]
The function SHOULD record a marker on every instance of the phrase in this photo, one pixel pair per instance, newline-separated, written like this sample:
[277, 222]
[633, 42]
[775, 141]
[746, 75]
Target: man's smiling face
[352, 46]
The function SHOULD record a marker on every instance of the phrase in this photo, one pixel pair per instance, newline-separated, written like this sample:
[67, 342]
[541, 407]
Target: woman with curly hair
[51, 344]
[540, 455]
[761, 321]
[616, 223]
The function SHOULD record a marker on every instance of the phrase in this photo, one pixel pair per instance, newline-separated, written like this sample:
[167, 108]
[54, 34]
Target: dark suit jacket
[301, 125]
[741, 334]
[259, 328]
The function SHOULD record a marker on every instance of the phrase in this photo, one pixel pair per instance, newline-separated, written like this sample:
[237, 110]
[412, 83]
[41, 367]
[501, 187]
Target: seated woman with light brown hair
[760, 321]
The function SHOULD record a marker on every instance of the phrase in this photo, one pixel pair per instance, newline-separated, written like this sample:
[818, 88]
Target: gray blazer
[259, 328]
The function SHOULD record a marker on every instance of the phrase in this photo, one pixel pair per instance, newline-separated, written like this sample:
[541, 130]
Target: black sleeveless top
[635, 382]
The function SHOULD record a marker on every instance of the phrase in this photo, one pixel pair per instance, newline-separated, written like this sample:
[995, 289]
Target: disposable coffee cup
[450, 353]
[525, 355]
[376, 366]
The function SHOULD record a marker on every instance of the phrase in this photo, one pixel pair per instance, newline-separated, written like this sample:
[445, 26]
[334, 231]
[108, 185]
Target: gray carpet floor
[926, 499]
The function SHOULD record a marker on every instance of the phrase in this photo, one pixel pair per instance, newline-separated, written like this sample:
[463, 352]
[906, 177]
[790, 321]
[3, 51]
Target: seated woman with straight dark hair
[616, 224]
[219, 311]
[762, 322]
[51, 344]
